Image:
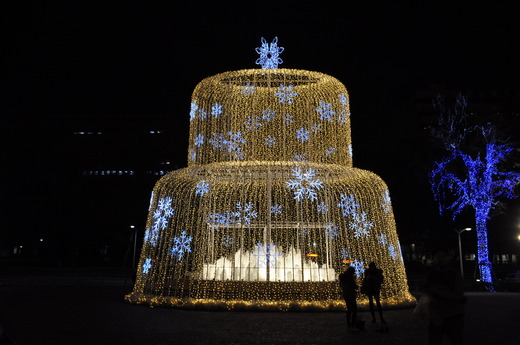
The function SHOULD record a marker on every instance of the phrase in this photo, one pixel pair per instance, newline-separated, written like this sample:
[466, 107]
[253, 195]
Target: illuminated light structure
[270, 208]
[479, 187]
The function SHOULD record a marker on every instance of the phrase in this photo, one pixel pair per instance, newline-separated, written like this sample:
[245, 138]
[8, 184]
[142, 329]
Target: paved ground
[77, 312]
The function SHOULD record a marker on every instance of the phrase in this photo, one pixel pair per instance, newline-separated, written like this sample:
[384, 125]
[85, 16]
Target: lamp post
[460, 231]
[135, 244]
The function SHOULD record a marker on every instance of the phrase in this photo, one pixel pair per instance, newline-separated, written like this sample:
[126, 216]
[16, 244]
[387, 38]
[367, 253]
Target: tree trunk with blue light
[484, 264]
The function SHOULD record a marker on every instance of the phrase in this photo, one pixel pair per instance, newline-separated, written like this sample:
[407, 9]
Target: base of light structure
[329, 305]
[286, 253]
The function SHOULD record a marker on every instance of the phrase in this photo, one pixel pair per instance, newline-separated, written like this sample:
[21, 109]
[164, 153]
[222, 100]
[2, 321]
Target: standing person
[349, 288]
[371, 287]
[445, 287]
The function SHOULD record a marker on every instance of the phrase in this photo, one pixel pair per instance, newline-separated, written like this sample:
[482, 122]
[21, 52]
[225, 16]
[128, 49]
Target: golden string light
[269, 210]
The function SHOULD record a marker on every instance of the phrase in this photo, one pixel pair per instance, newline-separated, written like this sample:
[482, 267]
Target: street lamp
[135, 245]
[460, 231]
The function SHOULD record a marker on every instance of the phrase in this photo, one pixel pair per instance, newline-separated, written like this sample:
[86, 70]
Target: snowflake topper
[269, 54]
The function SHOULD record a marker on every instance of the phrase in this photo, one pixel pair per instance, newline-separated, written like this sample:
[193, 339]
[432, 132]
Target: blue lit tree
[462, 179]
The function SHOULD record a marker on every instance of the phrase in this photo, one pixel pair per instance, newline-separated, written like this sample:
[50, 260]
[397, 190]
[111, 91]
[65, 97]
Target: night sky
[116, 58]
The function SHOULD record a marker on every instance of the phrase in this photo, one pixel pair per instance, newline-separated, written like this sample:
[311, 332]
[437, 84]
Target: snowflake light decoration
[160, 217]
[325, 111]
[323, 208]
[300, 158]
[228, 240]
[248, 89]
[276, 209]
[391, 251]
[343, 116]
[269, 54]
[193, 154]
[268, 115]
[216, 110]
[246, 212]
[359, 266]
[217, 141]
[288, 119]
[347, 204]
[266, 255]
[316, 128]
[344, 253]
[302, 134]
[181, 245]
[343, 99]
[361, 225]
[252, 123]
[199, 140]
[387, 203]
[270, 141]
[225, 219]
[330, 151]
[304, 184]
[359, 219]
[286, 93]
[202, 114]
[202, 188]
[193, 110]
[382, 239]
[231, 145]
[147, 265]
[331, 231]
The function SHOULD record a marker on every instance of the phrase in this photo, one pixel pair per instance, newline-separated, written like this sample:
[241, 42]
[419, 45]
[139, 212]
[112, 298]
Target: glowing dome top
[270, 115]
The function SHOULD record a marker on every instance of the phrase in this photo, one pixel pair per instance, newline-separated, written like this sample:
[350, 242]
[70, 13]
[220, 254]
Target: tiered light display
[269, 210]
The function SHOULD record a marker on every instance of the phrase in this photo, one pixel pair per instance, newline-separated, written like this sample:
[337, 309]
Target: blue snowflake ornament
[160, 217]
[147, 265]
[325, 111]
[302, 134]
[248, 89]
[266, 255]
[269, 54]
[268, 115]
[246, 213]
[304, 184]
[288, 119]
[181, 245]
[359, 267]
[331, 231]
[216, 110]
[286, 94]
[387, 203]
[391, 251]
[382, 239]
[202, 188]
[270, 141]
[227, 241]
[199, 140]
[276, 209]
[323, 208]
[348, 205]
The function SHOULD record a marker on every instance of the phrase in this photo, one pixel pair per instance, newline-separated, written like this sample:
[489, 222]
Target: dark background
[126, 69]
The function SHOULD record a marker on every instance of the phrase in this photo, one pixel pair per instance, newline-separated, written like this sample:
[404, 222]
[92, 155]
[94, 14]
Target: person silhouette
[445, 287]
[371, 287]
[349, 289]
